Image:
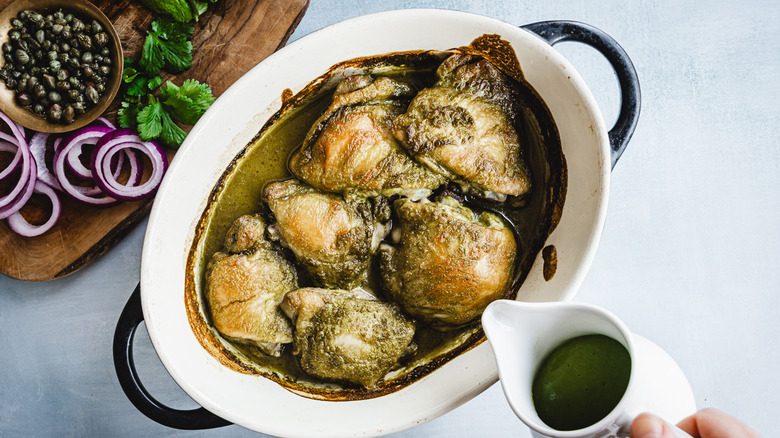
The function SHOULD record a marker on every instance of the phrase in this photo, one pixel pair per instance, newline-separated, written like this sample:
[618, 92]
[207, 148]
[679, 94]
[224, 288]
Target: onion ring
[123, 140]
[19, 224]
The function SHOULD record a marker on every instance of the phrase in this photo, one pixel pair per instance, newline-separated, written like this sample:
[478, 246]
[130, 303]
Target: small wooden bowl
[83, 8]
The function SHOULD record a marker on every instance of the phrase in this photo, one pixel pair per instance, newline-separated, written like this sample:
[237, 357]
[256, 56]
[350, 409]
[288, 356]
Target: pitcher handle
[194, 419]
[556, 31]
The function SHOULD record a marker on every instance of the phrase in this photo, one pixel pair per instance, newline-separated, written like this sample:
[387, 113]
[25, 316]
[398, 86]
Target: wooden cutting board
[229, 39]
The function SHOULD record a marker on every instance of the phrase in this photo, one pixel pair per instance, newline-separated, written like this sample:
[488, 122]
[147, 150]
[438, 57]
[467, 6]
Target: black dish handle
[195, 419]
[554, 32]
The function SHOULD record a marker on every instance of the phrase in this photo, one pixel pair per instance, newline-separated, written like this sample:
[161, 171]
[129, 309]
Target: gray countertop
[687, 258]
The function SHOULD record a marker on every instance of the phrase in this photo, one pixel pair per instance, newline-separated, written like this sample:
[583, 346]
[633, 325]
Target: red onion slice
[123, 140]
[75, 143]
[27, 182]
[105, 122]
[14, 164]
[19, 224]
[38, 151]
[89, 195]
[22, 190]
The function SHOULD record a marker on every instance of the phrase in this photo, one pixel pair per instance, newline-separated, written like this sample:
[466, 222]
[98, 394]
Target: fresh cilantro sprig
[156, 109]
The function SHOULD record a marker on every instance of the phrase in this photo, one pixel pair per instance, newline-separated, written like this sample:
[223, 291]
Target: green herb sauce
[581, 381]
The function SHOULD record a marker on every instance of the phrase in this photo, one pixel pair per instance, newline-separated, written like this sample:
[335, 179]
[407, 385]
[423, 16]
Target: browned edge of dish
[497, 51]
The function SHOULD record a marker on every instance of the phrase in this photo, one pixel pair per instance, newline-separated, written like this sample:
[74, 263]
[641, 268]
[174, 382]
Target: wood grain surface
[229, 39]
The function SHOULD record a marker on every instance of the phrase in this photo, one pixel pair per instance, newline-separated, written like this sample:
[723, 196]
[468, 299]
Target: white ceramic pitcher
[523, 334]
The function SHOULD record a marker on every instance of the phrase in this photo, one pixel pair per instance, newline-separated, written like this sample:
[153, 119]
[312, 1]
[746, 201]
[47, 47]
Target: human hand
[706, 423]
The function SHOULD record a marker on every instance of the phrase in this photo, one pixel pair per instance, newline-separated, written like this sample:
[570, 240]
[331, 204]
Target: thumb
[649, 426]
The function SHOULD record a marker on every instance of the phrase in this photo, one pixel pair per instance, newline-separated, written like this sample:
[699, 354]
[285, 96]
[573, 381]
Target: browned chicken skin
[449, 263]
[463, 127]
[244, 289]
[343, 336]
[331, 237]
[351, 147]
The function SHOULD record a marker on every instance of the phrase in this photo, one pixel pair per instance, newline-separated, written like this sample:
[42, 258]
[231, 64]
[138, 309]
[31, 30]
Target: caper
[63, 58]
[48, 81]
[85, 41]
[73, 81]
[96, 27]
[74, 64]
[54, 96]
[59, 15]
[64, 47]
[68, 114]
[62, 75]
[88, 72]
[81, 87]
[48, 17]
[17, 23]
[55, 113]
[35, 70]
[22, 57]
[14, 35]
[24, 99]
[55, 66]
[54, 48]
[32, 82]
[22, 44]
[46, 44]
[92, 94]
[101, 39]
[39, 91]
[22, 85]
[7, 47]
[77, 25]
[10, 83]
[66, 32]
[40, 36]
[100, 87]
[69, 17]
[52, 55]
[63, 86]
[105, 51]
[74, 52]
[79, 107]
[38, 108]
[57, 29]
[107, 61]
[61, 21]
[4, 74]
[23, 15]
[16, 74]
[86, 57]
[95, 66]
[38, 55]
[9, 58]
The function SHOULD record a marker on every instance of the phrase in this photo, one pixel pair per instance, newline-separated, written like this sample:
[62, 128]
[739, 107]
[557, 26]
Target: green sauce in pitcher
[581, 381]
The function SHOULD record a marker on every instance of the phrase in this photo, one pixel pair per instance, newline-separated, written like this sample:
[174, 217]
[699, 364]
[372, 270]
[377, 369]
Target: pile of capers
[57, 63]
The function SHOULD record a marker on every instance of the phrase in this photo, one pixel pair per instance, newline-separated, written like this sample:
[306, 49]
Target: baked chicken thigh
[351, 148]
[345, 337]
[331, 237]
[463, 127]
[449, 263]
[245, 286]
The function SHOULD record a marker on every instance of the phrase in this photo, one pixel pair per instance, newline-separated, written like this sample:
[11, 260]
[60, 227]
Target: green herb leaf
[150, 121]
[188, 102]
[128, 115]
[167, 46]
[171, 135]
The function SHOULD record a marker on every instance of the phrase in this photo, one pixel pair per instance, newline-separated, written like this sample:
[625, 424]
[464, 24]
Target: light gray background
[688, 257]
